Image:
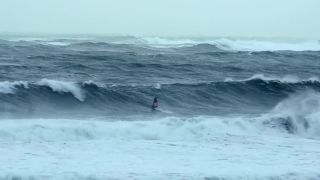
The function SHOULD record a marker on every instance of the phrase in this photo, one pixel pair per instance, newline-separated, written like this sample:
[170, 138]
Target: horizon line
[42, 34]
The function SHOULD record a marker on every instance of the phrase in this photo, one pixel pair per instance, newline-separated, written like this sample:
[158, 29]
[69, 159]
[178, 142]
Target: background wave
[232, 44]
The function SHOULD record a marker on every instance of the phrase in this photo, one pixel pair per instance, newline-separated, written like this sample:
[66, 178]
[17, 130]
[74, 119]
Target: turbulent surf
[223, 101]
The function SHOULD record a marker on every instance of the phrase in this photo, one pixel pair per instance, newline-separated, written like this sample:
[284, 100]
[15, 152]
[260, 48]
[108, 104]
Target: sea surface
[79, 107]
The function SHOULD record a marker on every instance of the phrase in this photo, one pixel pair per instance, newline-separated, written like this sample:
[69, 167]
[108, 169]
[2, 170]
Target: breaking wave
[64, 87]
[253, 95]
[297, 115]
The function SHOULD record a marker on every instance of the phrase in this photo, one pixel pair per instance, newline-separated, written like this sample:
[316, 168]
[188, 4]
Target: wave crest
[284, 79]
[233, 44]
[64, 86]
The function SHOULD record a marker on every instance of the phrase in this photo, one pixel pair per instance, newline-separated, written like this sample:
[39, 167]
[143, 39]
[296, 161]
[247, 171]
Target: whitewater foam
[57, 43]
[171, 128]
[256, 45]
[70, 150]
[284, 79]
[232, 44]
[7, 87]
[300, 113]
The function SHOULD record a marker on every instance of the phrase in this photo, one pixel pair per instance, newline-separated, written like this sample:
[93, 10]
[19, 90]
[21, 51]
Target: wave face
[52, 97]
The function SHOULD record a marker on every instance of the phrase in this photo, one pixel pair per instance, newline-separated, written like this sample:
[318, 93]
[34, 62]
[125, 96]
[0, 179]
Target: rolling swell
[53, 98]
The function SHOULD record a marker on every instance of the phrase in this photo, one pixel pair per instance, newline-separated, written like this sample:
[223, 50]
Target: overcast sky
[248, 18]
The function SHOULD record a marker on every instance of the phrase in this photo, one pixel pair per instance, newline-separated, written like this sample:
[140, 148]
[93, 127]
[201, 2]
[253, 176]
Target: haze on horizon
[241, 18]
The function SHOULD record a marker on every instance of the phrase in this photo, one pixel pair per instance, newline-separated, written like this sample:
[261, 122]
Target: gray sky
[249, 18]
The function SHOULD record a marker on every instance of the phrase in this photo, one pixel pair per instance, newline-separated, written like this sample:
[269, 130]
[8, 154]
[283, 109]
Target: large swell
[50, 97]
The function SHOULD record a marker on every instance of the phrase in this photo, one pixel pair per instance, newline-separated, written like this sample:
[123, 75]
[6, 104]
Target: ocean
[79, 107]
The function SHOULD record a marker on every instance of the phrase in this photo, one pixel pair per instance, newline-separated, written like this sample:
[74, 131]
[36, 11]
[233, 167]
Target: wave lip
[7, 87]
[63, 86]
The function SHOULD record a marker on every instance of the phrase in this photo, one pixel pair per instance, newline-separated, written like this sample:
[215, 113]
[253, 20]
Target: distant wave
[258, 45]
[284, 79]
[234, 45]
[229, 44]
[224, 44]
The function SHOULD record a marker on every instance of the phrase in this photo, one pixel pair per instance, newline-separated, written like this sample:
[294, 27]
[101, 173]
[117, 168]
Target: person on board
[155, 103]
